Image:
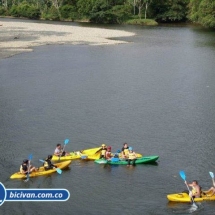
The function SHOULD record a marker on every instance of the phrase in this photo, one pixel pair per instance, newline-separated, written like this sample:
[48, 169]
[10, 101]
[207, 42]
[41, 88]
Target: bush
[2, 11]
[52, 14]
[141, 22]
[25, 10]
[68, 12]
[14, 11]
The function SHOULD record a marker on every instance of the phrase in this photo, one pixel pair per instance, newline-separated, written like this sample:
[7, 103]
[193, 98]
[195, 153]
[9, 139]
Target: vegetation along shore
[142, 12]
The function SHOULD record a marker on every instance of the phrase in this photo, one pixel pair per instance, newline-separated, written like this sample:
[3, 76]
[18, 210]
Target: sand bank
[20, 36]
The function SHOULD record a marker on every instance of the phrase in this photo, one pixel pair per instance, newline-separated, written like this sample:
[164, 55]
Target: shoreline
[19, 36]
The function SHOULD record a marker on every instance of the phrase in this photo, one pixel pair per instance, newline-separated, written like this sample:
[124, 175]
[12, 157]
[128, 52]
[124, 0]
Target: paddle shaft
[29, 166]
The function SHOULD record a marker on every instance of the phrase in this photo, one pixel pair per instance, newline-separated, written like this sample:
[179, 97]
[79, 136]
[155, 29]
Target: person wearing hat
[48, 164]
[103, 151]
[108, 154]
[25, 168]
[131, 157]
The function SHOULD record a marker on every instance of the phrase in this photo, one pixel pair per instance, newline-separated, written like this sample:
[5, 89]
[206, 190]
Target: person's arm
[213, 183]
[198, 191]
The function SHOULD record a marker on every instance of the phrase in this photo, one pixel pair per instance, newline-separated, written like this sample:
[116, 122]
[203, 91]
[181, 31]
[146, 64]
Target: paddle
[183, 176]
[57, 169]
[29, 165]
[66, 141]
[212, 176]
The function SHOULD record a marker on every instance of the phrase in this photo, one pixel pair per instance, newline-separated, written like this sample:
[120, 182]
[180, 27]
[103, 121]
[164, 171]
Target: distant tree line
[113, 11]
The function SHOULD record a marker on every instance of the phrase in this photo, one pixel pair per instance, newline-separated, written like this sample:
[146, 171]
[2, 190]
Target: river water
[156, 93]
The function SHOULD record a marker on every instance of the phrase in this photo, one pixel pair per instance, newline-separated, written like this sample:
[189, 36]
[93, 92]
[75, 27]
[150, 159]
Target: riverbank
[17, 36]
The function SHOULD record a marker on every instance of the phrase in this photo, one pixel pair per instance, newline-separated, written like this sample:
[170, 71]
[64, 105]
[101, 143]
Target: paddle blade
[30, 157]
[211, 174]
[182, 174]
[41, 160]
[84, 157]
[59, 170]
[66, 141]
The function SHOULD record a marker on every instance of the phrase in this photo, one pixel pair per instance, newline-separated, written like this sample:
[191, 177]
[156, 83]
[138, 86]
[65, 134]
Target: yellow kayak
[77, 154]
[184, 197]
[41, 171]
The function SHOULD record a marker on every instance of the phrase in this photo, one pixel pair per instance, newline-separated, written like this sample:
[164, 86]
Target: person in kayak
[108, 154]
[131, 157]
[196, 189]
[125, 150]
[103, 151]
[25, 168]
[48, 164]
[59, 151]
[212, 189]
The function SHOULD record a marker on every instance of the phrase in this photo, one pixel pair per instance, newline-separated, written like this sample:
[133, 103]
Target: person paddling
[59, 151]
[211, 190]
[103, 151]
[108, 154]
[131, 157]
[196, 189]
[125, 150]
[48, 164]
[25, 168]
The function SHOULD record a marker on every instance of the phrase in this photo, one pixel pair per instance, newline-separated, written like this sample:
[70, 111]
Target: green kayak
[117, 161]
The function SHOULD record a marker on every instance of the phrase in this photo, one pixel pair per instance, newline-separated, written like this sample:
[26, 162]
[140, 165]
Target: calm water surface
[156, 93]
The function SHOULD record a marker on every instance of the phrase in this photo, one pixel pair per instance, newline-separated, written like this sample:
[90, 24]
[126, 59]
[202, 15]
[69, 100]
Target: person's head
[103, 145]
[109, 148]
[130, 149]
[195, 182]
[125, 145]
[25, 161]
[49, 157]
[59, 145]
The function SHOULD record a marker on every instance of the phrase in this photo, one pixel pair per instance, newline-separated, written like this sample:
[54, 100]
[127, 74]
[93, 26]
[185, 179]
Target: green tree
[170, 10]
[203, 12]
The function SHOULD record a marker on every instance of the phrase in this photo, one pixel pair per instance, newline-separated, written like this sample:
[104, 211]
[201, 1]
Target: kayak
[184, 197]
[118, 161]
[77, 154]
[41, 171]
[97, 156]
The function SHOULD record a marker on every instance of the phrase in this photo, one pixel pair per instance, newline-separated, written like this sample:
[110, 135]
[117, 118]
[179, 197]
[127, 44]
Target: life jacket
[131, 155]
[23, 168]
[194, 191]
[125, 151]
[103, 151]
[47, 163]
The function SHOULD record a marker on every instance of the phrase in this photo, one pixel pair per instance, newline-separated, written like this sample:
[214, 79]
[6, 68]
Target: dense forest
[114, 11]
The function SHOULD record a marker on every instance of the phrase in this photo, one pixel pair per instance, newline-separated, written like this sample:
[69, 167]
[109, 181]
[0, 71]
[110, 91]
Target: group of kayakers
[26, 167]
[126, 153]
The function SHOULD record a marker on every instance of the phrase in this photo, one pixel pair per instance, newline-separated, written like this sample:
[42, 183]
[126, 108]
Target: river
[156, 93]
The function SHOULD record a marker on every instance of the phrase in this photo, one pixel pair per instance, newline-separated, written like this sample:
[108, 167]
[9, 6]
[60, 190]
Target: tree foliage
[113, 11]
[203, 12]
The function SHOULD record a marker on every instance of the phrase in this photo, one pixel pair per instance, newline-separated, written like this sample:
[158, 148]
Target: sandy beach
[20, 36]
